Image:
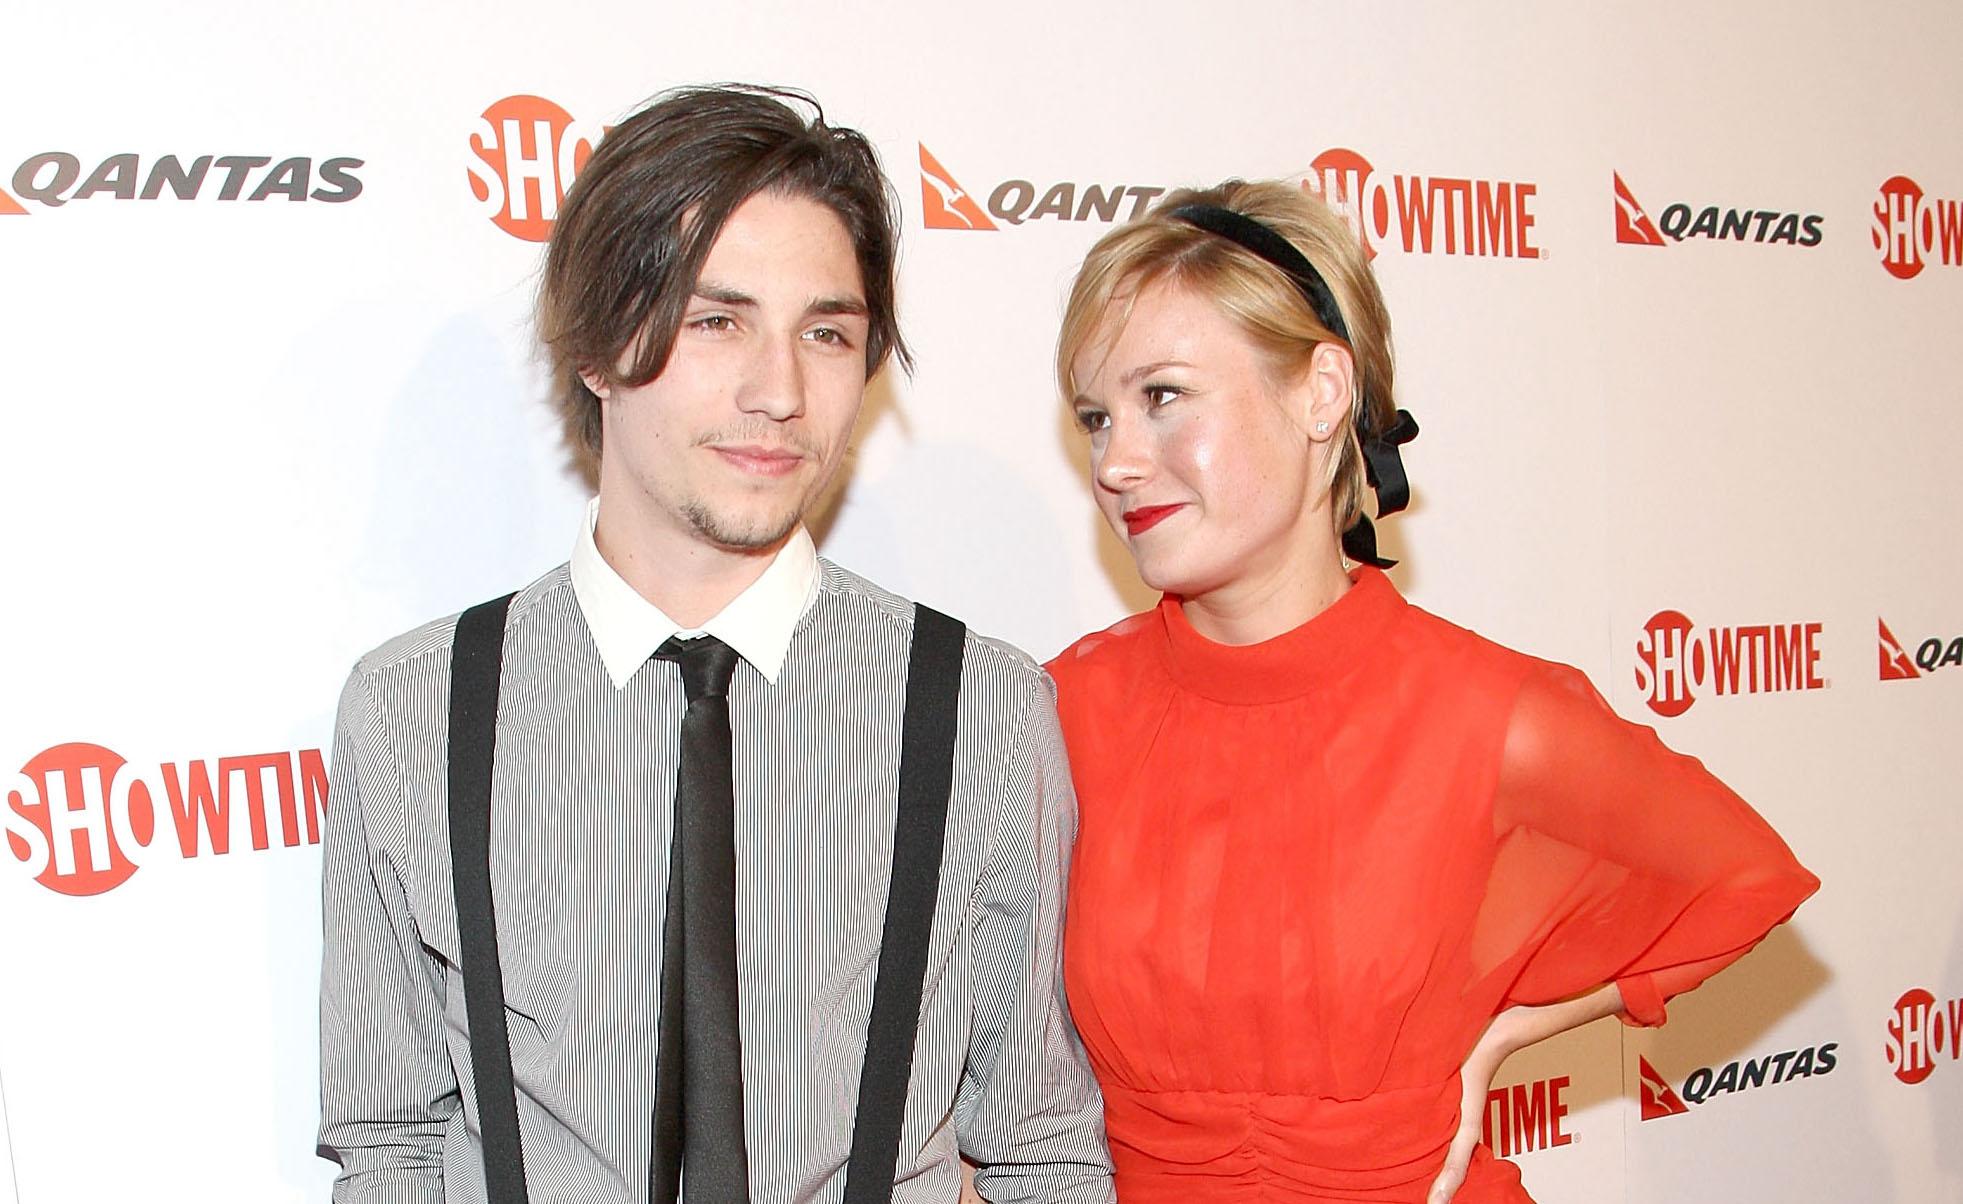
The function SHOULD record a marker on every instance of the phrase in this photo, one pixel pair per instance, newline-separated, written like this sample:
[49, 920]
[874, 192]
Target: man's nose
[774, 386]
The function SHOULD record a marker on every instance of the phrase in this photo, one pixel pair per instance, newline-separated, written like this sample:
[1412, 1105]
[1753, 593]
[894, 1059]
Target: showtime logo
[82, 819]
[1910, 229]
[1674, 660]
[1633, 226]
[53, 179]
[1931, 654]
[1527, 1117]
[946, 205]
[1920, 1031]
[526, 151]
[1659, 1100]
[1426, 215]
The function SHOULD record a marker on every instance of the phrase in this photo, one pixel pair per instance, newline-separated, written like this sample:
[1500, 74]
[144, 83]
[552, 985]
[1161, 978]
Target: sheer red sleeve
[1619, 860]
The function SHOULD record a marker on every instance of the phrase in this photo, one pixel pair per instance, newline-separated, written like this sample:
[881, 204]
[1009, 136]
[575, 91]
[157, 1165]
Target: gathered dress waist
[1201, 1146]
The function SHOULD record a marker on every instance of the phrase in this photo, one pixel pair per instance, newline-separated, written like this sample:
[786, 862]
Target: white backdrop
[259, 420]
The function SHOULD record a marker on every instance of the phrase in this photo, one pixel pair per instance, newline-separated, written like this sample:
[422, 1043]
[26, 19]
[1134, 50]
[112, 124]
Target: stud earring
[1322, 428]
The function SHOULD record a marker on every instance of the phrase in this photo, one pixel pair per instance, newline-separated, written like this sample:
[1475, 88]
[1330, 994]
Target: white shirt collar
[758, 622]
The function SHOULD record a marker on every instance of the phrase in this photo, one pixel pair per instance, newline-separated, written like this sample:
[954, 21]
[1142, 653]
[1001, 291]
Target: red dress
[1309, 871]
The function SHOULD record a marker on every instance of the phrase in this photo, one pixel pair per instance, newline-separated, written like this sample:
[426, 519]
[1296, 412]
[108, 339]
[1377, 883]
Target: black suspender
[920, 824]
[926, 777]
[476, 662]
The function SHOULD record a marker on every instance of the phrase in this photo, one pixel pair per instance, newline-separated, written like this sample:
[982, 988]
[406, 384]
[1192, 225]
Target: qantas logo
[1895, 664]
[1747, 1074]
[1930, 655]
[1658, 1098]
[1682, 221]
[946, 205]
[1632, 225]
[53, 179]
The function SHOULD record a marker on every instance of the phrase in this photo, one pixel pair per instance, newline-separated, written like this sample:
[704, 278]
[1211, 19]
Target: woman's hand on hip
[1511, 1031]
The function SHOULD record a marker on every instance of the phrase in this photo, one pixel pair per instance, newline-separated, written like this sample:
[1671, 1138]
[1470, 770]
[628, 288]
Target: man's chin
[744, 533]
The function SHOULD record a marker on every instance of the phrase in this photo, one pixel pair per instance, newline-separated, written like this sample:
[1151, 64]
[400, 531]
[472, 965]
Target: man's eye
[713, 322]
[830, 334]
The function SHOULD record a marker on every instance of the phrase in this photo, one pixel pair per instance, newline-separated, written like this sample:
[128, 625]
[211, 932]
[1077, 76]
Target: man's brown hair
[647, 207]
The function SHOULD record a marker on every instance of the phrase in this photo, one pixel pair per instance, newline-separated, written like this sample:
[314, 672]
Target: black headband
[1242, 229]
[1383, 466]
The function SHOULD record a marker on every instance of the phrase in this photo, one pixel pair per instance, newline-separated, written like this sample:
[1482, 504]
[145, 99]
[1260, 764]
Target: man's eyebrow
[839, 305]
[722, 294]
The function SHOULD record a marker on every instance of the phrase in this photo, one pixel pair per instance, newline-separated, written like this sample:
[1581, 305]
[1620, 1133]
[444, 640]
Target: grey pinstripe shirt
[584, 797]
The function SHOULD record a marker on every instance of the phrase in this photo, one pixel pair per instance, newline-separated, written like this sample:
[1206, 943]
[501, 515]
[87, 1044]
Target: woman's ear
[1328, 389]
[595, 383]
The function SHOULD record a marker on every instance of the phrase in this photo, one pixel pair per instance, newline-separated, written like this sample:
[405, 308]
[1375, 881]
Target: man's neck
[689, 579]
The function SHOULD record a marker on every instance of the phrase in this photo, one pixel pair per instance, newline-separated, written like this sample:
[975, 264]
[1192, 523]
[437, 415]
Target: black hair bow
[1383, 468]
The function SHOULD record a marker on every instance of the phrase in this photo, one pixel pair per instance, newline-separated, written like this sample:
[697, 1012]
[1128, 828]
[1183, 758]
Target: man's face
[738, 436]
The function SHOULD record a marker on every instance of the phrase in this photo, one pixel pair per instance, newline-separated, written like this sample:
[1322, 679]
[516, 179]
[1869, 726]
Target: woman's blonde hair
[1262, 299]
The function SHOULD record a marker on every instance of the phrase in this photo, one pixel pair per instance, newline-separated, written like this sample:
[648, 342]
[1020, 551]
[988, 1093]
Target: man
[688, 991]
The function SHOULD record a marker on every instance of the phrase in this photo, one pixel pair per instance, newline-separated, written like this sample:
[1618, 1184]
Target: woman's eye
[1158, 395]
[1092, 420]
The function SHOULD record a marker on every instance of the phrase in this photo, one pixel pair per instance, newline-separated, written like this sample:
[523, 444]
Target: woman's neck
[1261, 606]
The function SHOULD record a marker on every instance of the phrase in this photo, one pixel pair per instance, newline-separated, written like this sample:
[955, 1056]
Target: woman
[1337, 857]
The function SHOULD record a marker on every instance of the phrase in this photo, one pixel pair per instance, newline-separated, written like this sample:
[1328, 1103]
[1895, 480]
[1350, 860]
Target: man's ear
[595, 383]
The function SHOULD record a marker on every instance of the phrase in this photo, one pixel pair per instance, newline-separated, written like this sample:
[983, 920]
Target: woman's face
[1201, 462]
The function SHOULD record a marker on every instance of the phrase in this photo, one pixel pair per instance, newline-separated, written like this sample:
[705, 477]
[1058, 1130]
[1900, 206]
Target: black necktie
[698, 1113]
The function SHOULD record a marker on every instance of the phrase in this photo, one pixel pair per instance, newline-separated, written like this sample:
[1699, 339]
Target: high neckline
[1330, 644]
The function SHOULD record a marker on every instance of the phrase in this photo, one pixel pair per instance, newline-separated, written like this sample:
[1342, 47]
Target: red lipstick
[1143, 519]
